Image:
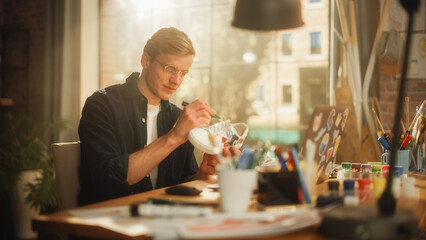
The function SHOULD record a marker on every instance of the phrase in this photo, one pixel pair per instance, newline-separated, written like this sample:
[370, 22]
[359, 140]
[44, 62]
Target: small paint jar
[346, 169]
[366, 171]
[356, 169]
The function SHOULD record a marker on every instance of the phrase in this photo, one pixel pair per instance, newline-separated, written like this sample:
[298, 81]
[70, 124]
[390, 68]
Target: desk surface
[63, 223]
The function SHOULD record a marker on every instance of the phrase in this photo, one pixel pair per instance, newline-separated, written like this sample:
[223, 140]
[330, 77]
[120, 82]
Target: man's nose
[175, 78]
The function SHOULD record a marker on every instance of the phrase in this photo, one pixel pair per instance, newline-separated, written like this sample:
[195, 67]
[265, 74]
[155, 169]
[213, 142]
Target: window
[287, 48]
[244, 75]
[287, 94]
[259, 93]
[314, 1]
[315, 42]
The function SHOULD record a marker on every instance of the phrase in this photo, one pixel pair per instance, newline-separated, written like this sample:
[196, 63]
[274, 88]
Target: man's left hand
[209, 163]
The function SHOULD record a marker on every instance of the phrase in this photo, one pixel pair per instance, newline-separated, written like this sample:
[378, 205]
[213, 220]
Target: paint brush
[378, 121]
[211, 115]
[385, 135]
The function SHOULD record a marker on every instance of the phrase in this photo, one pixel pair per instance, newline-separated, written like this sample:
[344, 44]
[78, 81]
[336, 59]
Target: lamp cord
[387, 202]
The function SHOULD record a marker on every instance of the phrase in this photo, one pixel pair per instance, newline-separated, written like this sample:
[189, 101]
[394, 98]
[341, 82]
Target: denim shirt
[113, 126]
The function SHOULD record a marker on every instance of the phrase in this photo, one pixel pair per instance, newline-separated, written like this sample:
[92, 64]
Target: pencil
[403, 125]
[378, 121]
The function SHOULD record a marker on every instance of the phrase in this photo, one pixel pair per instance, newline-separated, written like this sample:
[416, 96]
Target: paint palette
[323, 137]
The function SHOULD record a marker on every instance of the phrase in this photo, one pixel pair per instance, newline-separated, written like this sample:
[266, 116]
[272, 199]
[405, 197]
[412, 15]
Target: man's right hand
[193, 115]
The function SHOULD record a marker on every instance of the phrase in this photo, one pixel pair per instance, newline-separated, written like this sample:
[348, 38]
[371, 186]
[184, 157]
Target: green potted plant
[26, 168]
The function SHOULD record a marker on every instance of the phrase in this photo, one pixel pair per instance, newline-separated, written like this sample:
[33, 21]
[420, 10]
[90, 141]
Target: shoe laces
[220, 128]
[223, 129]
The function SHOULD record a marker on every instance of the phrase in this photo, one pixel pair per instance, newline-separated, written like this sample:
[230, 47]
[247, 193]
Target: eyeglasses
[172, 71]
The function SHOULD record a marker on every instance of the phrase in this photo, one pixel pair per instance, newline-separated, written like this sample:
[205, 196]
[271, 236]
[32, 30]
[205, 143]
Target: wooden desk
[65, 224]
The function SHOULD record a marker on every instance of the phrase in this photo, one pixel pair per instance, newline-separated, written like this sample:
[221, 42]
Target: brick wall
[415, 90]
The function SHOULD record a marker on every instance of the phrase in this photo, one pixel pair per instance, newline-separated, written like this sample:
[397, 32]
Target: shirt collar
[132, 91]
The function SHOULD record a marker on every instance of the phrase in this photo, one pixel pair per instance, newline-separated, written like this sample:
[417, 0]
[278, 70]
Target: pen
[303, 185]
[290, 160]
[384, 143]
[246, 159]
[211, 115]
[278, 152]
[406, 141]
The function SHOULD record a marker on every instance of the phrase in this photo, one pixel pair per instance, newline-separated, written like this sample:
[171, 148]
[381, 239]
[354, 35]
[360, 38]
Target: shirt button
[143, 120]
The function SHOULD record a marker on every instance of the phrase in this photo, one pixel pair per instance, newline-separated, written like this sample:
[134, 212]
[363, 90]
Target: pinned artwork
[320, 133]
[323, 145]
[336, 134]
[328, 168]
[336, 145]
[322, 159]
[330, 120]
[329, 152]
[338, 119]
[326, 135]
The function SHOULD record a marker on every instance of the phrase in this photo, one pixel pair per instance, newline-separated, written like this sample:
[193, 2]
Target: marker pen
[282, 162]
[406, 141]
[303, 185]
[384, 143]
[409, 143]
[388, 139]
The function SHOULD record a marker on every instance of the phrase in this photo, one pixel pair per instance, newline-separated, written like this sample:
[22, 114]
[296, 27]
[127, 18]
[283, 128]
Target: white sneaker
[214, 138]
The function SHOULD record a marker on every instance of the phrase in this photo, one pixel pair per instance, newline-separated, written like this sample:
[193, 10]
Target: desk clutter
[264, 192]
[165, 221]
[355, 182]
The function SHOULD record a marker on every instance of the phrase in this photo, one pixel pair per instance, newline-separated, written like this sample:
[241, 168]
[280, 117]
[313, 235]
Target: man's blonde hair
[169, 40]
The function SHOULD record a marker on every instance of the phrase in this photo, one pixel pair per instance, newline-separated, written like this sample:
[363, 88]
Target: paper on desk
[118, 219]
[247, 225]
[216, 225]
[113, 218]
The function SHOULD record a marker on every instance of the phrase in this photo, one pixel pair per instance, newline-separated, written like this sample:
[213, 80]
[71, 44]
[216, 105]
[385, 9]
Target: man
[132, 138]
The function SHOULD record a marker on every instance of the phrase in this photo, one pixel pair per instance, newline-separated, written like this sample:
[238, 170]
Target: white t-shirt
[151, 126]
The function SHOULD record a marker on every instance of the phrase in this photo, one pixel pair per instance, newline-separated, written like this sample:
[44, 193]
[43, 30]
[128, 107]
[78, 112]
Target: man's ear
[145, 60]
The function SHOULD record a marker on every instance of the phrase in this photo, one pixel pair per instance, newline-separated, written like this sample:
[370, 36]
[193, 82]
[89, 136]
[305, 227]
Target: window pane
[287, 94]
[269, 80]
[259, 93]
[287, 48]
[315, 42]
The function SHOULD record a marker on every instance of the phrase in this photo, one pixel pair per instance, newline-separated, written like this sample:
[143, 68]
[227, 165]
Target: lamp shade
[266, 15]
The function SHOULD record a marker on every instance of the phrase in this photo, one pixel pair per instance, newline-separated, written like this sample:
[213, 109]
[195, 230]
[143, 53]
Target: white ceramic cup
[236, 188]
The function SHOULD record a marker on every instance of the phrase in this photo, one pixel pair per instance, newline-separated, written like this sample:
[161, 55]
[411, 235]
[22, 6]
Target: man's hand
[193, 115]
[208, 165]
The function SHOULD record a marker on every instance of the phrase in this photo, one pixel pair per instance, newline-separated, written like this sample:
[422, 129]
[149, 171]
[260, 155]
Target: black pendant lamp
[267, 15]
